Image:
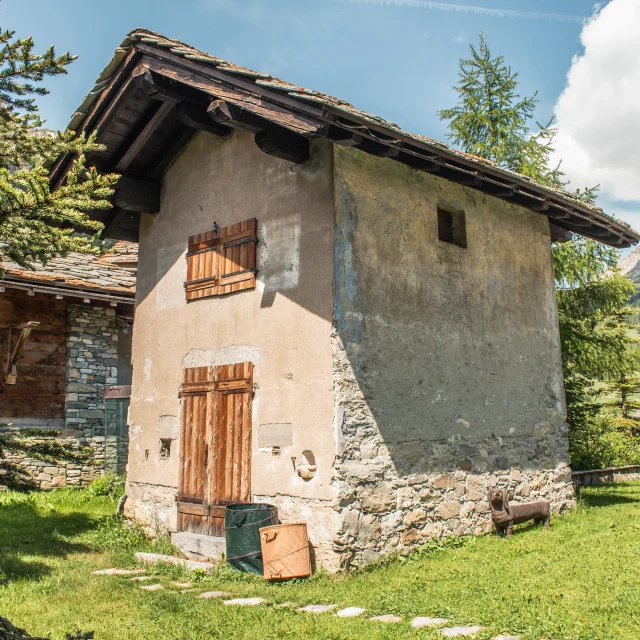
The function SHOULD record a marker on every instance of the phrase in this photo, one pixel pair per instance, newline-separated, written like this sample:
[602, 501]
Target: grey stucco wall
[447, 360]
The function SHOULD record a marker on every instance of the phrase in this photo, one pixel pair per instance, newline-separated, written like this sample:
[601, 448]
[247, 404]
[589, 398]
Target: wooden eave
[164, 91]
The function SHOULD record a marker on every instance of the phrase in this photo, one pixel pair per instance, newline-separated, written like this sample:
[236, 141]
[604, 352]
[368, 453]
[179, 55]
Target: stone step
[189, 565]
[196, 546]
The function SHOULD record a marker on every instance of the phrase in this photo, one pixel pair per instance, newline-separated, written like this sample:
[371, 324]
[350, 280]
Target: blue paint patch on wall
[345, 269]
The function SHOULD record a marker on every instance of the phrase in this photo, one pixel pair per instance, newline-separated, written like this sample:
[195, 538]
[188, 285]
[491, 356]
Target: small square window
[451, 227]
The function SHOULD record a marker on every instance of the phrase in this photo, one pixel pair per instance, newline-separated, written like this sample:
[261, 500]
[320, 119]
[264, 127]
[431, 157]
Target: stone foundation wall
[395, 495]
[152, 506]
[51, 476]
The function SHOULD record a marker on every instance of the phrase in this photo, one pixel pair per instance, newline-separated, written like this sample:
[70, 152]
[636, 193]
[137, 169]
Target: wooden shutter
[222, 260]
[215, 459]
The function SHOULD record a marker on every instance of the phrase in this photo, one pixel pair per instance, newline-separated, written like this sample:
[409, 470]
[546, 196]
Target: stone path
[418, 623]
[117, 572]
[213, 594]
[455, 632]
[348, 612]
[386, 618]
[244, 602]
[318, 608]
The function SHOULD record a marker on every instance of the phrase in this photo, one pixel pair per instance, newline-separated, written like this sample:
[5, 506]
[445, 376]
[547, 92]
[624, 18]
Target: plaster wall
[283, 326]
[447, 359]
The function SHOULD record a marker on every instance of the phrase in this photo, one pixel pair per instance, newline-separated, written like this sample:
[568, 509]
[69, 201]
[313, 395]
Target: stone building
[65, 343]
[335, 316]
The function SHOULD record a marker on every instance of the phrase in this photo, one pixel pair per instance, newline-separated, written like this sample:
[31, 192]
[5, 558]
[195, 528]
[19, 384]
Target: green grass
[579, 580]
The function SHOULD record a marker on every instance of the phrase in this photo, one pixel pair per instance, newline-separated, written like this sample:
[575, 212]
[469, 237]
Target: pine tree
[37, 223]
[492, 121]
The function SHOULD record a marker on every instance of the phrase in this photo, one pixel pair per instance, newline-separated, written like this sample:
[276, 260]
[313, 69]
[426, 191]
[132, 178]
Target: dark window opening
[165, 447]
[451, 227]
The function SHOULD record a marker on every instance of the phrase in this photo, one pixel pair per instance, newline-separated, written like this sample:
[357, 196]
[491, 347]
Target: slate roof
[309, 97]
[76, 271]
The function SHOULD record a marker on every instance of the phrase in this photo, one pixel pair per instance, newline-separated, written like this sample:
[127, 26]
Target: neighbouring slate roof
[309, 97]
[76, 271]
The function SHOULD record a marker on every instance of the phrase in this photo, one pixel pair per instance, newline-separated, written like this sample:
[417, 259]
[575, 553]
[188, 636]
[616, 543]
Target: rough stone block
[448, 510]
[199, 547]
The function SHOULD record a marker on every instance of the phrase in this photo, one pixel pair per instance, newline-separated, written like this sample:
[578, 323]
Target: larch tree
[493, 121]
[36, 222]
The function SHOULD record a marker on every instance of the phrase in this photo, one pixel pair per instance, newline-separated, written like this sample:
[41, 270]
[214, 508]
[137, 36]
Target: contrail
[483, 11]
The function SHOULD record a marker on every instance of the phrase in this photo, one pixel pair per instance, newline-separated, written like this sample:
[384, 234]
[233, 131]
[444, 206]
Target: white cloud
[598, 113]
[463, 8]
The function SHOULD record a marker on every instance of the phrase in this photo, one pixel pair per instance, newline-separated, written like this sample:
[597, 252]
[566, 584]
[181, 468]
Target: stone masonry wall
[394, 496]
[92, 359]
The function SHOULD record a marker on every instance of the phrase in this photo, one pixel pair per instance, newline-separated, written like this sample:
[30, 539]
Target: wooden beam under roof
[283, 144]
[139, 140]
[136, 195]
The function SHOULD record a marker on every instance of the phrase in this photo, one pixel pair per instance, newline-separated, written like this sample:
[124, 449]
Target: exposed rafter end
[284, 145]
[559, 234]
[230, 115]
[191, 116]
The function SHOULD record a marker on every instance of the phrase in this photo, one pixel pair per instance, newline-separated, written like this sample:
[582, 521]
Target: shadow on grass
[25, 531]
[606, 495]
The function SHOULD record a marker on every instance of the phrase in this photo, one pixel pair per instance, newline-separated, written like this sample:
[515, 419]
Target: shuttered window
[222, 260]
[215, 445]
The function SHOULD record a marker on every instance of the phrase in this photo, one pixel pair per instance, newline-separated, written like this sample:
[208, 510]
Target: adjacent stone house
[333, 315]
[65, 340]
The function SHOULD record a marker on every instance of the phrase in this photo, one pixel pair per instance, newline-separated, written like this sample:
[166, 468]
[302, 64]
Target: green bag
[242, 524]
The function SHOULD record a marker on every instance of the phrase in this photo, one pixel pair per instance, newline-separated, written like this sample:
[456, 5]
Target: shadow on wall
[294, 251]
[447, 356]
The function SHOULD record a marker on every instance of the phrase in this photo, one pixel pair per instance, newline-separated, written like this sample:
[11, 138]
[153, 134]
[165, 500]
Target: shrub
[107, 485]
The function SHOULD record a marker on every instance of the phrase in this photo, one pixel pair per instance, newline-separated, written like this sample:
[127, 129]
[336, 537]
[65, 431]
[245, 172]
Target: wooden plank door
[215, 461]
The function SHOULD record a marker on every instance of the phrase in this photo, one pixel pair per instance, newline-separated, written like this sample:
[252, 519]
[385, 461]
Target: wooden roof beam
[196, 118]
[11, 376]
[140, 139]
[230, 115]
[137, 195]
[283, 144]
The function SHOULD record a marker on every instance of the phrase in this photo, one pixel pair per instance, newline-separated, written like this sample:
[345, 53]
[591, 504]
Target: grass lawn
[579, 580]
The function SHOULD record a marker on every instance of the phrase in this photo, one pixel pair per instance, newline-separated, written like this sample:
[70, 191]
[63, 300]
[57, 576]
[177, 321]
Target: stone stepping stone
[181, 585]
[425, 621]
[507, 638]
[118, 572]
[244, 602]
[189, 565]
[317, 608]
[350, 612]
[151, 587]
[141, 579]
[213, 594]
[454, 632]
[386, 618]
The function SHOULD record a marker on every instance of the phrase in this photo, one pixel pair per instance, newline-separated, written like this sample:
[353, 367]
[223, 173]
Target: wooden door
[215, 445]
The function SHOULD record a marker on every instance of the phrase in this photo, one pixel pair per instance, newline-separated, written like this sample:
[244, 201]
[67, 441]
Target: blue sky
[395, 58]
